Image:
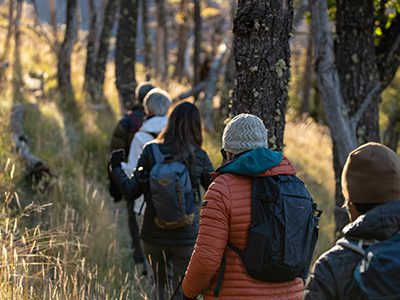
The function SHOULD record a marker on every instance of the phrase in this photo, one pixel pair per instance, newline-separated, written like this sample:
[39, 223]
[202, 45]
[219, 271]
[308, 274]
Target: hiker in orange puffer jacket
[226, 216]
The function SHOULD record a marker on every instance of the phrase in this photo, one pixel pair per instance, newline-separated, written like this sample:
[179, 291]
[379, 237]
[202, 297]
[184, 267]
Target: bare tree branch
[195, 90]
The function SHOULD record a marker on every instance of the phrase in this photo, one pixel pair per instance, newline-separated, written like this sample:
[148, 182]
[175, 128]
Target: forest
[321, 74]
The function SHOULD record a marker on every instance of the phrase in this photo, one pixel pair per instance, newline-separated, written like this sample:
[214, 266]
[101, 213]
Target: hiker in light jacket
[226, 216]
[156, 105]
[121, 138]
[168, 251]
[371, 186]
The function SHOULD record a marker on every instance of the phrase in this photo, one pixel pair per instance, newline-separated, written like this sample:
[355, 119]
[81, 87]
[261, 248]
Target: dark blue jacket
[332, 276]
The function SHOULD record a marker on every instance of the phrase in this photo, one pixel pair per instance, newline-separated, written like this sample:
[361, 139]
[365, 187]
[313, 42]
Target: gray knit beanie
[244, 132]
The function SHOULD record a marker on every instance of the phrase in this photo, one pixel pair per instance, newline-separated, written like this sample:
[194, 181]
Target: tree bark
[356, 62]
[182, 41]
[146, 38]
[91, 49]
[197, 43]
[104, 45]
[162, 40]
[262, 54]
[64, 58]
[388, 52]
[126, 53]
[344, 113]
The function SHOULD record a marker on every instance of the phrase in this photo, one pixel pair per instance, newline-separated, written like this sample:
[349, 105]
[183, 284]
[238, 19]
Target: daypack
[283, 233]
[378, 272]
[171, 191]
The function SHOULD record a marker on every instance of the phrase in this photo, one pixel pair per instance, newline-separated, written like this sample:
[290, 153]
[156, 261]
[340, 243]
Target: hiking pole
[177, 288]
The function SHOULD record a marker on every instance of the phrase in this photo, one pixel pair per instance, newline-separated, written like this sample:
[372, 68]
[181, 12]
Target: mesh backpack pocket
[171, 192]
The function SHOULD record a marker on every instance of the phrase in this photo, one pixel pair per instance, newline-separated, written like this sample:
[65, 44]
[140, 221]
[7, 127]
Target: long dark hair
[183, 130]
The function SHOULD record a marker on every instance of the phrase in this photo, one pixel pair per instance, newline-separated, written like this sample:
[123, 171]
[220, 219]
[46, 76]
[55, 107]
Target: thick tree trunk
[356, 62]
[104, 44]
[126, 53]
[343, 126]
[358, 73]
[146, 38]
[262, 54]
[182, 41]
[197, 42]
[91, 49]
[64, 58]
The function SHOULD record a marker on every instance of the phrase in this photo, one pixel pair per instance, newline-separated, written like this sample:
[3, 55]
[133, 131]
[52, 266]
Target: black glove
[117, 157]
[187, 298]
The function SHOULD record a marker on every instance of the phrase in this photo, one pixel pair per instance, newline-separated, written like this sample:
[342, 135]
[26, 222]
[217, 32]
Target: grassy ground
[73, 241]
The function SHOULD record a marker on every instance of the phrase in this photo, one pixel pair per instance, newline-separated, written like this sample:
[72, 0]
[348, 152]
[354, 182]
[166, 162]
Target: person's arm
[211, 241]
[321, 283]
[130, 187]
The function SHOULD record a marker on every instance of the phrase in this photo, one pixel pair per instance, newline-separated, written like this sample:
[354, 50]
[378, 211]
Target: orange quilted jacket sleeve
[211, 241]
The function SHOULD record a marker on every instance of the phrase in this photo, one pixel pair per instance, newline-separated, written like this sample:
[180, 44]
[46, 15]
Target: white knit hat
[244, 132]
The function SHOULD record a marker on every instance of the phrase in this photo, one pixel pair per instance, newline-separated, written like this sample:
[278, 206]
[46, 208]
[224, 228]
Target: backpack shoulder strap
[157, 154]
[353, 245]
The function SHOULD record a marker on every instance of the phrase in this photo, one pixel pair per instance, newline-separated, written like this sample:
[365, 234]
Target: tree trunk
[104, 44]
[182, 41]
[162, 40]
[91, 49]
[206, 106]
[356, 64]
[262, 54]
[343, 126]
[64, 58]
[17, 68]
[197, 43]
[307, 81]
[126, 53]
[146, 38]
[53, 20]
[4, 56]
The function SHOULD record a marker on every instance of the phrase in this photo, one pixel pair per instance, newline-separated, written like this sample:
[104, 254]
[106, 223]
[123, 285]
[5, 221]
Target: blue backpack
[378, 272]
[283, 233]
[171, 191]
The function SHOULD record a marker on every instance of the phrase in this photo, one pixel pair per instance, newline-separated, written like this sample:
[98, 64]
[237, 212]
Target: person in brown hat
[371, 187]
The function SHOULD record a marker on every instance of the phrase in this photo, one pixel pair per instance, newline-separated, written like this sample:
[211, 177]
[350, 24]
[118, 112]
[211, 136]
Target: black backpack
[283, 233]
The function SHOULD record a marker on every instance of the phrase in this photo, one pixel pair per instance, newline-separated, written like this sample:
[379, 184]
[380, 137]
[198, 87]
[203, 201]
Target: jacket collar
[380, 223]
[258, 162]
